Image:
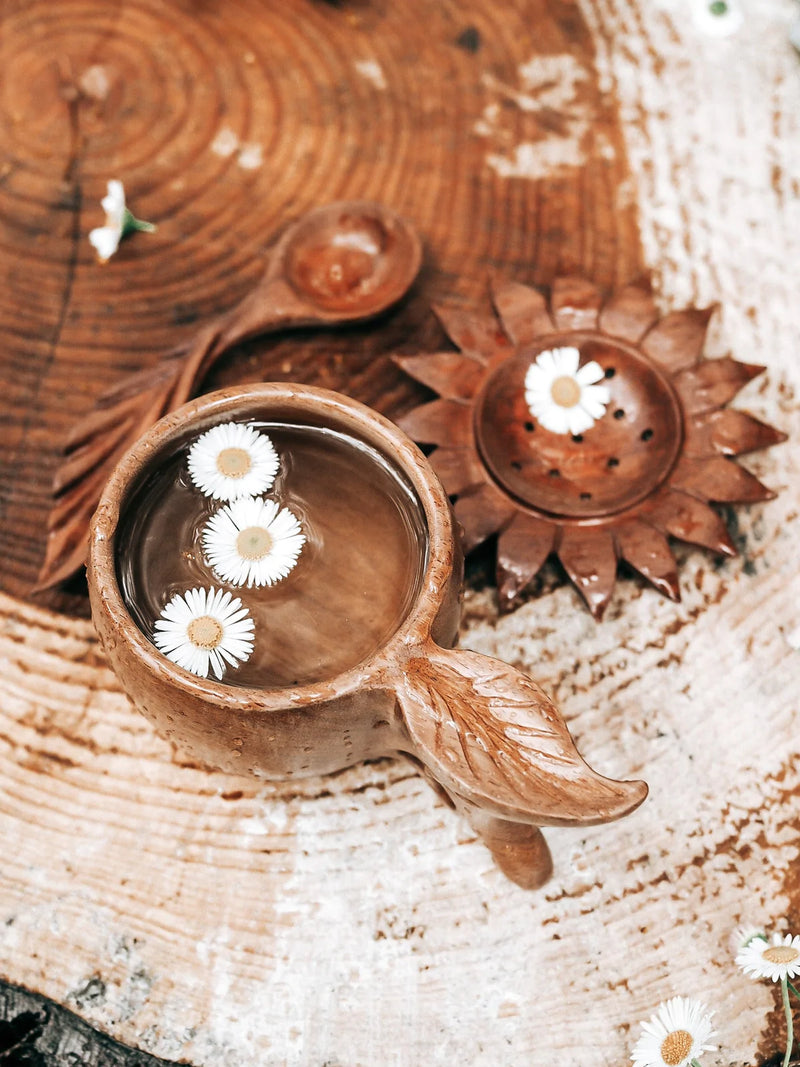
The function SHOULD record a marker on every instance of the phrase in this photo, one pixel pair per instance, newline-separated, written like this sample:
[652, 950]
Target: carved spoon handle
[270, 306]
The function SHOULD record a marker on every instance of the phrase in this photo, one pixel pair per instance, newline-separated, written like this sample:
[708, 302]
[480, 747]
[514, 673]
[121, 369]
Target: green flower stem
[789, 1026]
[793, 989]
[696, 1063]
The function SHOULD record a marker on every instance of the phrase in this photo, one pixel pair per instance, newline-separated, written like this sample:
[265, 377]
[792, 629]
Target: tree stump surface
[354, 920]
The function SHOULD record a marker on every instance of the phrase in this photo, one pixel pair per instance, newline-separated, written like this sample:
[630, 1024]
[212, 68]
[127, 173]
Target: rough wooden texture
[354, 920]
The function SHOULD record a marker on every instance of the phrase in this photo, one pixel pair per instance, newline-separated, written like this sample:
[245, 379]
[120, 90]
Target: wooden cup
[486, 736]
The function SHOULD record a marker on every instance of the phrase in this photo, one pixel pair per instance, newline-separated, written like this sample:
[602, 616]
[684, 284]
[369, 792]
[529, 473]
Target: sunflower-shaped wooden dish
[587, 428]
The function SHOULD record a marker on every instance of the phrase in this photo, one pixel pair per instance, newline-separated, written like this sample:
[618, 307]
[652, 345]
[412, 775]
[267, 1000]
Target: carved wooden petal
[450, 374]
[676, 342]
[83, 461]
[482, 513]
[690, 520]
[458, 468]
[731, 432]
[575, 303]
[478, 337]
[590, 559]
[490, 735]
[68, 521]
[442, 422]
[629, 313]
[523, 312]
[719, 479]
[102, 418]
[522, 549]
[713, 383]
[647, 551]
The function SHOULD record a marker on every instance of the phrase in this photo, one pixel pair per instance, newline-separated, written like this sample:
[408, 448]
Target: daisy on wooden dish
[205, 630]
[563, 396]
[233, 460]
[252, 542]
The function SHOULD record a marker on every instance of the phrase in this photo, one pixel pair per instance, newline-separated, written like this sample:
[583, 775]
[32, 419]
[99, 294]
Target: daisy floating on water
[563, 396]
[675, 1036]
[119, 223]
[205, 629]
[233, 460]
[252, 542]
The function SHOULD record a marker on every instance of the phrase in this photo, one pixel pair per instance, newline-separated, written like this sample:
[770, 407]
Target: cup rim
[378, 431]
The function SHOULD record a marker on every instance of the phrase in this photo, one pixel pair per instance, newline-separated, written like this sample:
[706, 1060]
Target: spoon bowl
[350, 260]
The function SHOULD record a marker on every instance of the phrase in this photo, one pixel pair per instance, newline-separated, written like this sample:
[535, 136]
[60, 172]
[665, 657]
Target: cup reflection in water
[350, 632]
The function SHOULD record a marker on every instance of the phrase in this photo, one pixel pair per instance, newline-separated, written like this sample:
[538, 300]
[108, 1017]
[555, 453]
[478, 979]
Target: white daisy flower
[718, 18]
[205, 629]
[743, 935]
[233, 460]
[119, 222]
[675, 1036]
[776, 959]
[252, 542]
[562, 396]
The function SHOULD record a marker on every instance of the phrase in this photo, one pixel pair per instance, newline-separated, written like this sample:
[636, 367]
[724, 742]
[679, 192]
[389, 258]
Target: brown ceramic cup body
[484, 734]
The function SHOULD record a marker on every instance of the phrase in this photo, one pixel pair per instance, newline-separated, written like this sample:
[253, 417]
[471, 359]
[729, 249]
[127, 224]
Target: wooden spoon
[344, 262]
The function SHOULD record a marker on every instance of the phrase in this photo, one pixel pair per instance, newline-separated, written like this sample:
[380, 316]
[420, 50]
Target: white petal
[589, 373]
[547, 362]
[556, 419]
[105, 241]
[578, 419]
[594, 399]
[567, 359]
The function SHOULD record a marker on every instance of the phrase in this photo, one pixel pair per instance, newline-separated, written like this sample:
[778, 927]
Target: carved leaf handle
[495, 742]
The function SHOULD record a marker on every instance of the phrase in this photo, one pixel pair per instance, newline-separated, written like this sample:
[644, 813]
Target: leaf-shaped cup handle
[499, 748]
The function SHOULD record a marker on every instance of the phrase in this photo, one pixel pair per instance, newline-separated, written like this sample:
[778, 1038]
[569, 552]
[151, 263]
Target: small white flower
[677, 1034]
[563, 396]
[119, 222]
[205, 629]
[252, 542]
[718, 18]
[775, 959]
[743, 935]
[233, 460]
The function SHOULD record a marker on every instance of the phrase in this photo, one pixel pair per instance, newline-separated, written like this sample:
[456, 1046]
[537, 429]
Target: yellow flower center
[565, 391]
[205, 632]
[254, 542]
[234, 462]
[780, 954]
[675, 1047]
